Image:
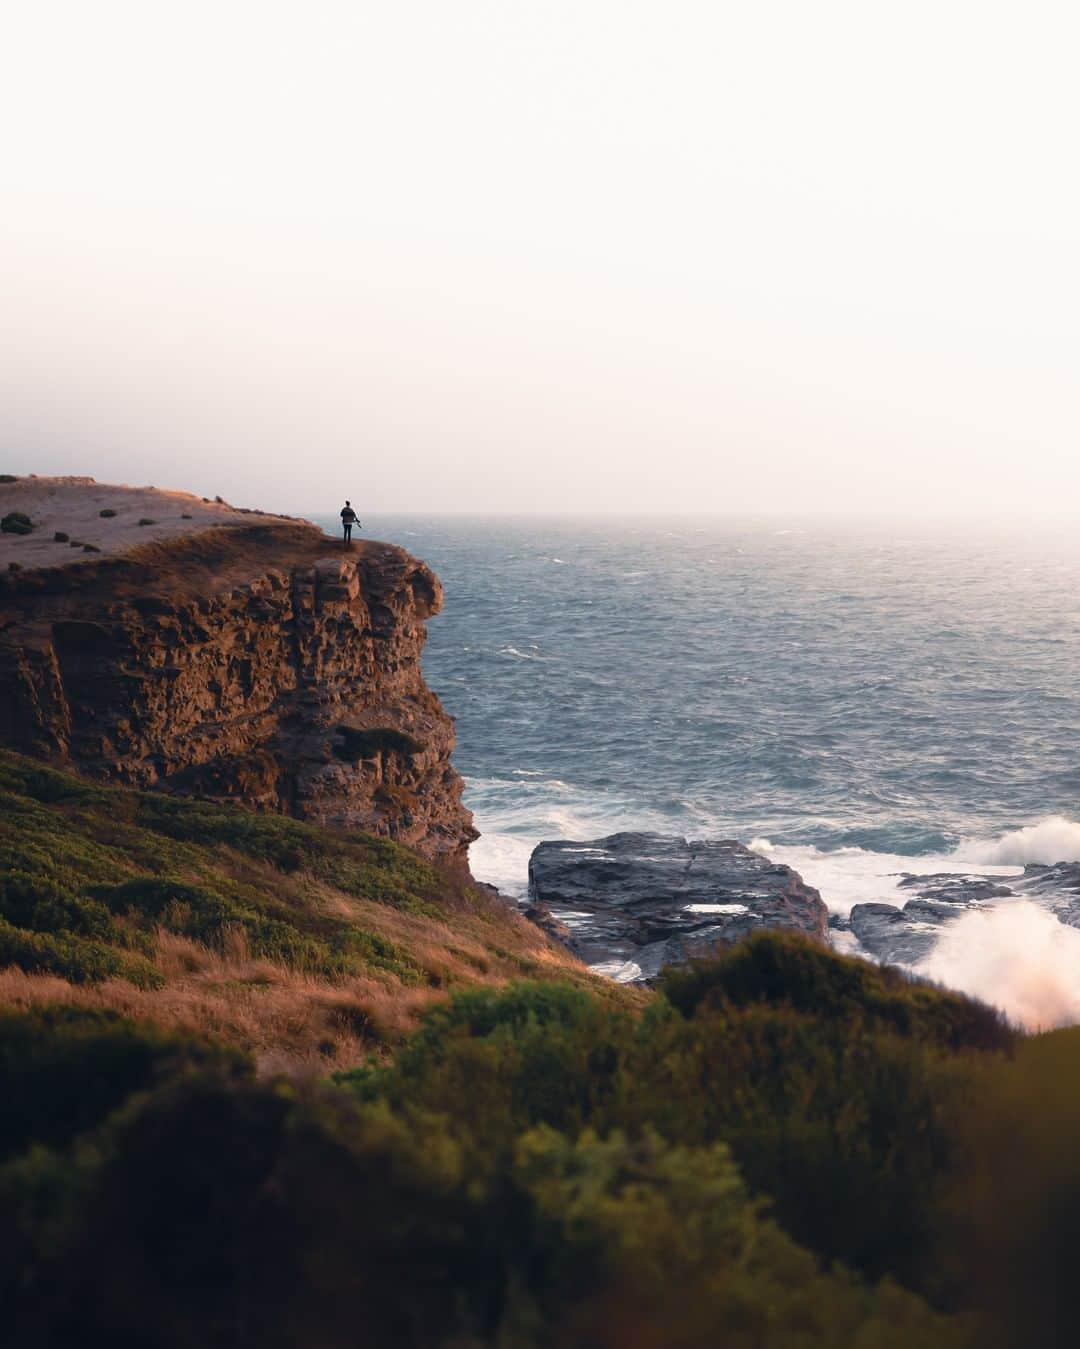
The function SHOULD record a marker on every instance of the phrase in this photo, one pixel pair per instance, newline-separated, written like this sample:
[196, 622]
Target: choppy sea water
[856, 700]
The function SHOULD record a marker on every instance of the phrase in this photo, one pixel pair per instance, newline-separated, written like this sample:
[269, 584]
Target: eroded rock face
[254, 663]
[635, 902]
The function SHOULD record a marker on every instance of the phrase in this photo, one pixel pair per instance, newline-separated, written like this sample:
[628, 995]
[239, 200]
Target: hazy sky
[595, 255]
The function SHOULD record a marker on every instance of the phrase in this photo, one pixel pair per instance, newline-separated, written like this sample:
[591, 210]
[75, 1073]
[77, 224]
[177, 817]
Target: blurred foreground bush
[788, 1149]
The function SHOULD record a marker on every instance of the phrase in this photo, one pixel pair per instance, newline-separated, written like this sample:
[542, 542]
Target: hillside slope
[300, 944]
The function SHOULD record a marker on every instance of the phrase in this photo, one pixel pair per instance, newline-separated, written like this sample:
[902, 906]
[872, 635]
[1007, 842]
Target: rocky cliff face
[252, 662]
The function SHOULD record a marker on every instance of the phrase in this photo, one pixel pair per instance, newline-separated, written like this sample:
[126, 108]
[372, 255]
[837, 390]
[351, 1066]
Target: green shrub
[534, 1054]
[844, 1125]
[107, 514]
[72, 958]
[64, 1070]
[16, 522]
[781, 969]
[79, 861]
[306, 1220]
[37, 903]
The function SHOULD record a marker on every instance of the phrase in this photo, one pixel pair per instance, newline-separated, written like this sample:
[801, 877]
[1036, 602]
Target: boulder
[635, 902]
[16, 522]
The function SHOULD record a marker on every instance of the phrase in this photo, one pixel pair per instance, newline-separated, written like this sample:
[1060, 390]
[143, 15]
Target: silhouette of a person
[348, 519]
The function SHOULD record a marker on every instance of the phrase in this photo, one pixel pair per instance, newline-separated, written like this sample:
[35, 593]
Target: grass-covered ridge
[210, 916]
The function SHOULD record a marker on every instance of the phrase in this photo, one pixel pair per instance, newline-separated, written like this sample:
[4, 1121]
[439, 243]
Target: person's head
[348, 503]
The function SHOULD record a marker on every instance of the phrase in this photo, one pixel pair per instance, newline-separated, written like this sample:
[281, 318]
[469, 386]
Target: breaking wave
[1055, 839]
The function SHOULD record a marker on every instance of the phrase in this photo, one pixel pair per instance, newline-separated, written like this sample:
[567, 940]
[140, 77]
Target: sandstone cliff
[243, 657]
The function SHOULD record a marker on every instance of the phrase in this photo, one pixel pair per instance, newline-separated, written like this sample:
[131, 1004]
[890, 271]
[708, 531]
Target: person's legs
[348, 531]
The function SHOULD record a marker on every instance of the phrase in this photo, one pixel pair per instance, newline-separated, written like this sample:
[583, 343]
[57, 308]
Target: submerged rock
[635, 902]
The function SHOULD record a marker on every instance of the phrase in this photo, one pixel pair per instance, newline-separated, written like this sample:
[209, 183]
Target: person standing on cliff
[348, 519]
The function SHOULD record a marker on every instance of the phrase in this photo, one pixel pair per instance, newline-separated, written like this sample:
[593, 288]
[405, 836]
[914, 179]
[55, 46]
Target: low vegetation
[781, 1148]
[305, 946]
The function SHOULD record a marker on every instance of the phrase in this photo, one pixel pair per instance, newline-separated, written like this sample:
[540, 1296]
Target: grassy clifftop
[291, 941]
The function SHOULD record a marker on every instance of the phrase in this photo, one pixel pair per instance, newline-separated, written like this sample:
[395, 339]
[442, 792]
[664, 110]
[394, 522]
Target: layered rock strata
[632, 903]
[251, 661]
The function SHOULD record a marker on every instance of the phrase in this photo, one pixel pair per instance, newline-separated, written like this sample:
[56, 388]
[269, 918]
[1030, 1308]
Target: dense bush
[225, 1212]
[542, 1167]
[847, 1128]
[779, 969]
[66, 1070]
[72, 958]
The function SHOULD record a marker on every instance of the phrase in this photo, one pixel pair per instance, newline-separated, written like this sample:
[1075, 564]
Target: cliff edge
[226, 654]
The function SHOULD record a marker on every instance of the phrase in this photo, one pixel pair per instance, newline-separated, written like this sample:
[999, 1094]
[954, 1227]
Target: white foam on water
[622, 971]
[502, 860]
[717, 908]
[849, 876]
[518, 654]
[1013, 953]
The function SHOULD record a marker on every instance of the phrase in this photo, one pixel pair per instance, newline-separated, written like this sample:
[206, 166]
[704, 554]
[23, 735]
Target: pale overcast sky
[598, 255]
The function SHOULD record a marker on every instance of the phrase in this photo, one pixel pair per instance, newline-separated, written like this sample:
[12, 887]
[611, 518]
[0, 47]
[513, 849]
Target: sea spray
[1017, 956]
[1055, 839]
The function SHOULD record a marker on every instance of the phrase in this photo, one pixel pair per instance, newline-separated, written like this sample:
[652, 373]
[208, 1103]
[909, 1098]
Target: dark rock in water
[902, 936]
[636, 902]
[956, 889]
[1056, 888]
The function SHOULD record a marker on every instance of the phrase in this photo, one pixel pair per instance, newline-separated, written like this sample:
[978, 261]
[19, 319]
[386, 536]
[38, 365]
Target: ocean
[859, 700]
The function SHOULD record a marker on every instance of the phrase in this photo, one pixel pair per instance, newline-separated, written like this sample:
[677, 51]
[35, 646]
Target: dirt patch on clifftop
[193, 547]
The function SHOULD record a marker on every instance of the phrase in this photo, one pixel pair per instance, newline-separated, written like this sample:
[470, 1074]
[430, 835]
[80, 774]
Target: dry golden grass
[266, 952]
[293, 1022]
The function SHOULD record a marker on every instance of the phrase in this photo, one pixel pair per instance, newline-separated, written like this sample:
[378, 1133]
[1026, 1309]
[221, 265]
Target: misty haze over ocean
[868, 699]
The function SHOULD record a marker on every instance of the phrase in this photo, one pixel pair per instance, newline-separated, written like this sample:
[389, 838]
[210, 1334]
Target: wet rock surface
[902, 936]
[906, 934]
[634, 902]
